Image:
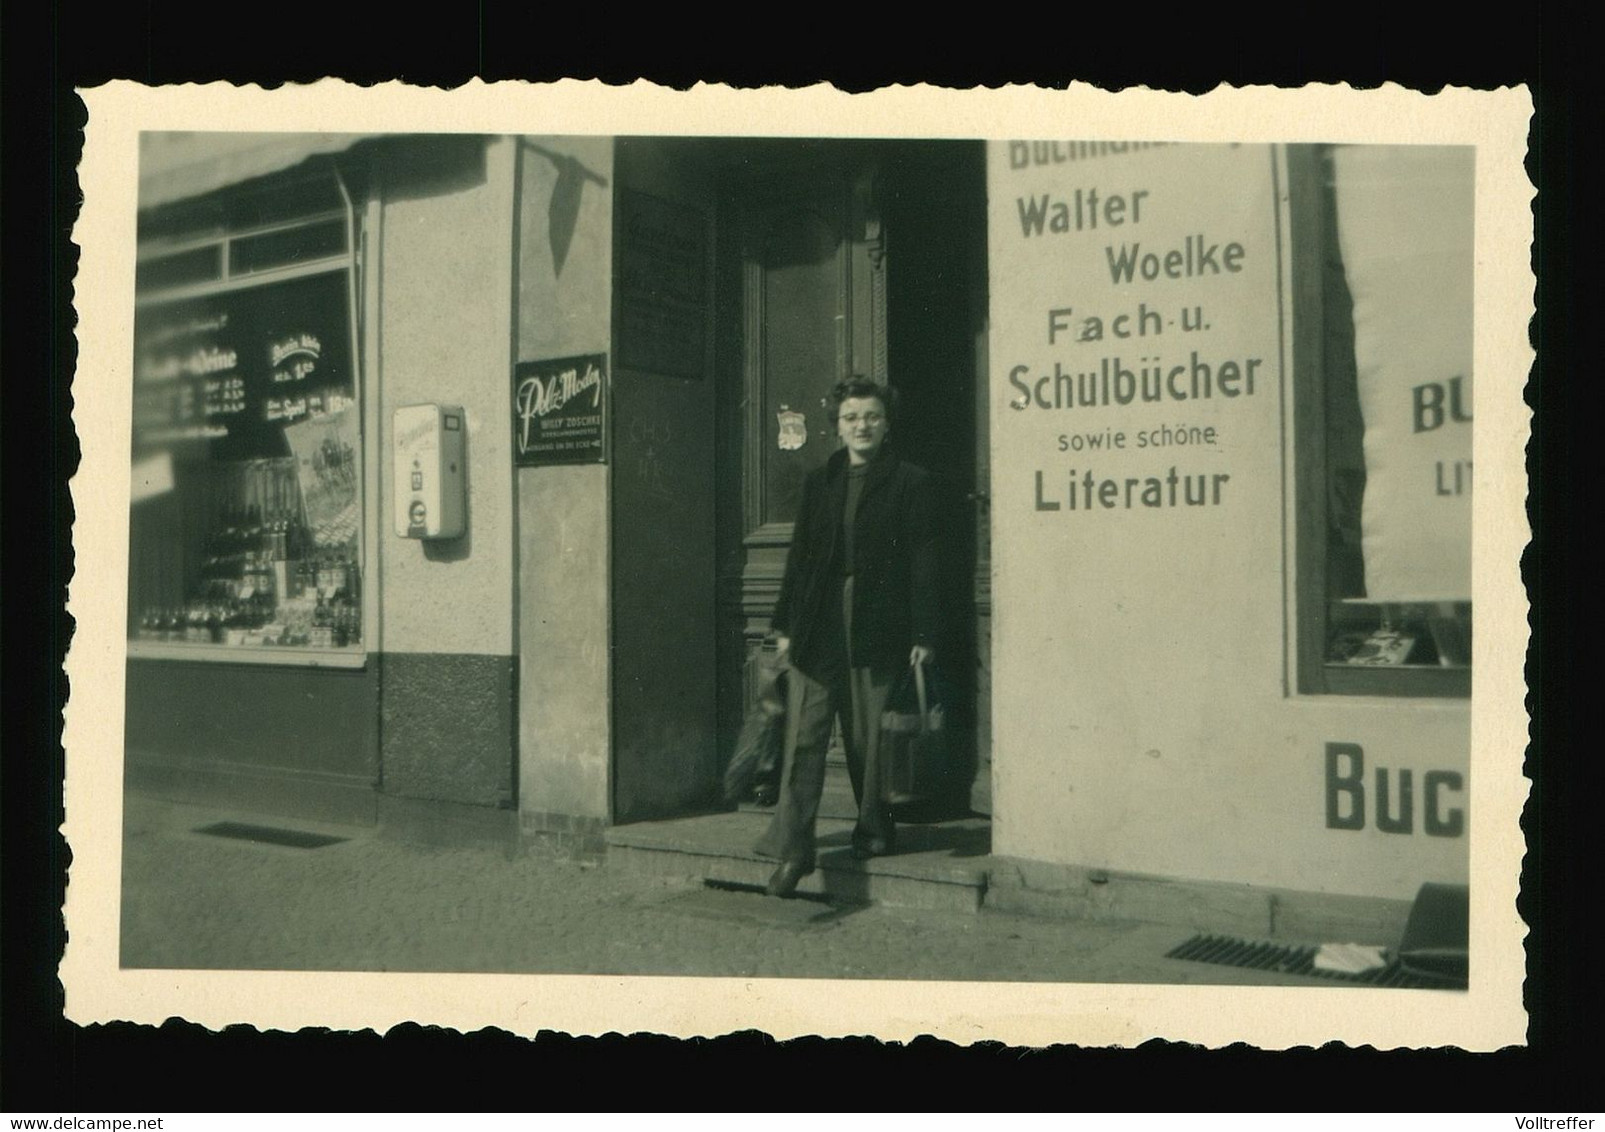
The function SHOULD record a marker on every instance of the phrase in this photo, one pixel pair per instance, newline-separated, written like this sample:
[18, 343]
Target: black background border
[49, 1064]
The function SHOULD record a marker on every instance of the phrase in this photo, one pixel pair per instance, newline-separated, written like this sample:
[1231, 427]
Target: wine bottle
[322, 628]
[250, 536]
[278, 548]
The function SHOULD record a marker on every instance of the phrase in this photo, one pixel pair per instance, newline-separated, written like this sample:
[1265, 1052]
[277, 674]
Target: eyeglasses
[871, 419]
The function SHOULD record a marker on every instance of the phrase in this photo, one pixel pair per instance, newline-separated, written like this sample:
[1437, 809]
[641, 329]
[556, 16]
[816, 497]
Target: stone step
[837, 802]
[939, 866]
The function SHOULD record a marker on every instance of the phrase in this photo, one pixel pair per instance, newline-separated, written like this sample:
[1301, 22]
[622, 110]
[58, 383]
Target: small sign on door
[793, 430]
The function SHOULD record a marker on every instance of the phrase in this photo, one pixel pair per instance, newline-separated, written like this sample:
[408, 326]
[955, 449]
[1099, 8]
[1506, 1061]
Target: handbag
[916, 752]
[761, 746]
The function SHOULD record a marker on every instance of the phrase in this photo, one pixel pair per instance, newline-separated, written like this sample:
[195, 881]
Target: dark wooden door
[797, 314]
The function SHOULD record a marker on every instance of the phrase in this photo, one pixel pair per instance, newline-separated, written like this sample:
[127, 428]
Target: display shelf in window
[262, 575]
[1393, 634]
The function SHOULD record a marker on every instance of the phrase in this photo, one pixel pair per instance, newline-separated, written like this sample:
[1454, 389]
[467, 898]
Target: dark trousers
[856, 696]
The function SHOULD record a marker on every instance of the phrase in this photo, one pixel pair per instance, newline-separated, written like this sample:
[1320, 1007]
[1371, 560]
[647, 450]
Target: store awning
[173, 166]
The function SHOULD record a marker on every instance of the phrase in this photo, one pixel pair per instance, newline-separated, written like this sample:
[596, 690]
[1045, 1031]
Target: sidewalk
[375, 903]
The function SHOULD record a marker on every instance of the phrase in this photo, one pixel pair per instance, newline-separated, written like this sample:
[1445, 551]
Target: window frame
[1311, 226]
[347, 262]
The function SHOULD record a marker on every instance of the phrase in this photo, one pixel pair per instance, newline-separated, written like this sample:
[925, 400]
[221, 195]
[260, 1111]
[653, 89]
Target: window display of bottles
[263, 581]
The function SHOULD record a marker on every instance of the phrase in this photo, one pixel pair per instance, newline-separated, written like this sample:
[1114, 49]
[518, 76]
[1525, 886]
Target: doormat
[1295, 959]
[269, 835]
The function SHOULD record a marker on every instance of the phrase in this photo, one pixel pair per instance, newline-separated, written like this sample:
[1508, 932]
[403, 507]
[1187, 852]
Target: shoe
[785, 878]
[866, 847]
[765, 795]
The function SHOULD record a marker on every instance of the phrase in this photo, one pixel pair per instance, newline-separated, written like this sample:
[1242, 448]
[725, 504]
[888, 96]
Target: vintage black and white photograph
[1037, 564]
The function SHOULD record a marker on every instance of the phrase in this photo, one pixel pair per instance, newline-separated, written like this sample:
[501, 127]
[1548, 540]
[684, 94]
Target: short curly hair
[861, 387]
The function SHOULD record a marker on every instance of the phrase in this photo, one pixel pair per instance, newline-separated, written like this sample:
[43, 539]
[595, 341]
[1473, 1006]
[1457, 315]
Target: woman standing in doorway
[857, 604]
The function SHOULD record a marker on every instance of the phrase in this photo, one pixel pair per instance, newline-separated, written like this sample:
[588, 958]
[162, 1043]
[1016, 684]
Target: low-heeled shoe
[784, 880]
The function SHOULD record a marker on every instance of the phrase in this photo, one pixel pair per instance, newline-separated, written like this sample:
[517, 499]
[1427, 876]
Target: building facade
[1201, 623]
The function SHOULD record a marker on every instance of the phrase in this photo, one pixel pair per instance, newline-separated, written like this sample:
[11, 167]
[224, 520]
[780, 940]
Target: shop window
[246, 527]
[1382, 253]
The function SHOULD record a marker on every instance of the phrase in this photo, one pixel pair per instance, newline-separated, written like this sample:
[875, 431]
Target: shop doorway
[822, 259]
[842, 257]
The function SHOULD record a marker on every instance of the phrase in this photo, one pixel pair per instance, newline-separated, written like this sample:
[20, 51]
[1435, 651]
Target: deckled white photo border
[1488, 1016]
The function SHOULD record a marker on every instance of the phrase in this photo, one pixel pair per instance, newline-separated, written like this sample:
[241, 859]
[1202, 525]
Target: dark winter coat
[894, 568]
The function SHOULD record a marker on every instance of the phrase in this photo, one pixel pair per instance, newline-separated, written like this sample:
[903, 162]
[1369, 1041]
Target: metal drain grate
[1294, 959]
[269, 835]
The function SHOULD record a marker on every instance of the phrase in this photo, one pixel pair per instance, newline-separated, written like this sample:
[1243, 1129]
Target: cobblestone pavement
[374, 903]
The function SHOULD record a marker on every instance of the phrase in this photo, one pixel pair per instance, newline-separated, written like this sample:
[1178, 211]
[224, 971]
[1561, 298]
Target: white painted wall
[444, 270]
[565, 308]
[1141, 715]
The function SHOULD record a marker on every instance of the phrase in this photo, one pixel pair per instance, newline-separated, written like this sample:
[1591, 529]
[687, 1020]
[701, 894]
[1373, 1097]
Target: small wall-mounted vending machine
[431, 497]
